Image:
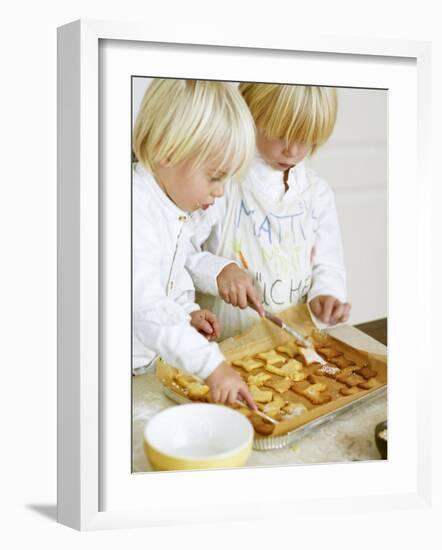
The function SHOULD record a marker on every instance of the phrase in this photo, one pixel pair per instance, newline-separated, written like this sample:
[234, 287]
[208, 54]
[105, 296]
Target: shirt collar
[270, 176]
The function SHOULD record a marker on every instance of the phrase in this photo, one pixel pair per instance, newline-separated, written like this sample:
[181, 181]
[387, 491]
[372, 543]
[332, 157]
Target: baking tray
[270, 443]
[262, 336]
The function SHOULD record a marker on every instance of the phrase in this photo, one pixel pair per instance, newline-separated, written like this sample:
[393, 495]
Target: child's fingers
[338, 312]
[233, 299]
[315, 306]
[242, 298]
[330, 310]
[223, 395]
[225, 295]
[245, 394]
[327, 308]
[216, 327]
[346, 313]
[206, 327]
[232, 396]
[254, 301]
[341, 312]
[215, 392]
[208, 315]
[214, 323]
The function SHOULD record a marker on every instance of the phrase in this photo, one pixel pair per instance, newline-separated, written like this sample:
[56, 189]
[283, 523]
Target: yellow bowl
[198, 436]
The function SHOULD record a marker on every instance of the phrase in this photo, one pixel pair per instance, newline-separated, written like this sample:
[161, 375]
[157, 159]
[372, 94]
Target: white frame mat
[96, 489]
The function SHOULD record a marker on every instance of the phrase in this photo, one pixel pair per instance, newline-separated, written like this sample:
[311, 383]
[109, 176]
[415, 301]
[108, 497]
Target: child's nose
[291, 150]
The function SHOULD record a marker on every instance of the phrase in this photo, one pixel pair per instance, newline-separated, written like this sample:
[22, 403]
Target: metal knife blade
[313, 355]
[297, 335]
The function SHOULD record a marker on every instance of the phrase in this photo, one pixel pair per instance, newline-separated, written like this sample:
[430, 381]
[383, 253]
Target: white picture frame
[86, 460]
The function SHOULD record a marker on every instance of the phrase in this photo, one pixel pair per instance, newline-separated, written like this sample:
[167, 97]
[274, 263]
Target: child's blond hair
[303, 114]
[194, 120]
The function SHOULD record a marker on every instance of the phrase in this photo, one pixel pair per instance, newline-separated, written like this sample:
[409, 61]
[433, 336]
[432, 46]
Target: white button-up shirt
[163, 293]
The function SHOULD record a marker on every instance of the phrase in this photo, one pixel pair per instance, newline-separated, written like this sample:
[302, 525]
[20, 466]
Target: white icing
[329, 370]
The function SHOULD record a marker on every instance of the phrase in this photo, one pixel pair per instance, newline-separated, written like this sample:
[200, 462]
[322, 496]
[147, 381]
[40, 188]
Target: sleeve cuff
[334, 286]
[213, 362]
[190, 307]
[209, 269]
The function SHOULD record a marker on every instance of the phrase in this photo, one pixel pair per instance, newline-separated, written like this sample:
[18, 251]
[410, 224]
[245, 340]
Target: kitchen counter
[348, 437]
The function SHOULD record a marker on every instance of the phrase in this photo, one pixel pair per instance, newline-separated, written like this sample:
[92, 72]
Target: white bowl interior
[198, 430]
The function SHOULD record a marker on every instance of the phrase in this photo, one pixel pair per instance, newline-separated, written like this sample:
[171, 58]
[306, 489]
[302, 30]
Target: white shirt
[289, 241]
[163, 293]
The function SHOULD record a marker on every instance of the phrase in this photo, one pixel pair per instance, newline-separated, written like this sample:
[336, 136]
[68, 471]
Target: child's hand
[330, 310]
[226, 386]
[235, 287]
[206, 323]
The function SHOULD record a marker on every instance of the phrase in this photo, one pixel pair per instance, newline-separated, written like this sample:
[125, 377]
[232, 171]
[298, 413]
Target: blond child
[279, 223]
[189, 137]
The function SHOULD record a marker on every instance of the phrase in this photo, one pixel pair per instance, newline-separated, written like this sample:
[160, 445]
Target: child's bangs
[307, 128]
[303, 114]
[203, 122]
[229, 146]
[298, 130]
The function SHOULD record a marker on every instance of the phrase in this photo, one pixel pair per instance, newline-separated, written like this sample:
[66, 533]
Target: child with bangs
[279, 224]
[189, 136]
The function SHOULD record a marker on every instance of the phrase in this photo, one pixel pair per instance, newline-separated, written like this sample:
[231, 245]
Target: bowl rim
[217, 456]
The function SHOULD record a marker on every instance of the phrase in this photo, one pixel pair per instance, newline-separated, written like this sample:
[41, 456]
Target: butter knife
[310, 353]
[297, 335]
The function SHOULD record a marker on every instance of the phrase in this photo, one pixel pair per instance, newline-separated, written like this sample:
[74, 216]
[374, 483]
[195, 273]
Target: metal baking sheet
[270, 443]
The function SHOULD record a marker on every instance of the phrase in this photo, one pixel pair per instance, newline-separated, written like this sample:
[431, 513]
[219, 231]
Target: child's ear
[165, 163]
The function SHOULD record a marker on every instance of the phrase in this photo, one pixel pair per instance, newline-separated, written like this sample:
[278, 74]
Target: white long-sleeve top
[289, 241]
[163, 292]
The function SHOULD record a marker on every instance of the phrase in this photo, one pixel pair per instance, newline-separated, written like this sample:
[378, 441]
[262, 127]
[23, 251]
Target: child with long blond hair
[189, 137]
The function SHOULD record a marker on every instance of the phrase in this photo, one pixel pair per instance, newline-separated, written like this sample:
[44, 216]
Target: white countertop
[348, 437]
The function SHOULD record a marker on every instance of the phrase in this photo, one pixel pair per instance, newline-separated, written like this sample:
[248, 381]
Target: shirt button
[182, 218]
